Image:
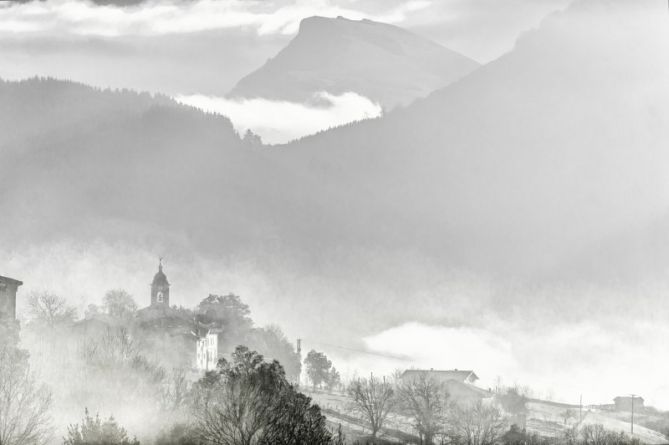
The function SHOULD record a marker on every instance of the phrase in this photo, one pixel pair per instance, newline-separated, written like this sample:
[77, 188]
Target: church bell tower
[160, 288]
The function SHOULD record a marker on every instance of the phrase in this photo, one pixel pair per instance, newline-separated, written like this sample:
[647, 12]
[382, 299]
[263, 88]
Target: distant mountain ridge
[382, 62]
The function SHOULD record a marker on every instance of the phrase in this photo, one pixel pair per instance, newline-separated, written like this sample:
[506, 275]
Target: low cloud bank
[598, 359]
[279, 122]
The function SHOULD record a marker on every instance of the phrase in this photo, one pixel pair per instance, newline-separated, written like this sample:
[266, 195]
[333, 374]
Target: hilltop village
[153, 359]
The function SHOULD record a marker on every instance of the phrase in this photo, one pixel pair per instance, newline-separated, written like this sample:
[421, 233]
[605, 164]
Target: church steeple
[160, 288]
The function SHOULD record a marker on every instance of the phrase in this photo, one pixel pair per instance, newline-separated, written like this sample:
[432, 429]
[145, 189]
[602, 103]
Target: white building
[207, 351]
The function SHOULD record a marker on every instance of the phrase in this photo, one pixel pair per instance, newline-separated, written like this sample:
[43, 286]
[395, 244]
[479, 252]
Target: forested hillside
[504, 172]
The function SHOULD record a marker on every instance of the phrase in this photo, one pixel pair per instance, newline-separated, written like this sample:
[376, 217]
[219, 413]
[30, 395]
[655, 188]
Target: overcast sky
[481, 29]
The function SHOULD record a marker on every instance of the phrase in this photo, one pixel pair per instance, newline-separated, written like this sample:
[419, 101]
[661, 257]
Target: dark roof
[443, 375]
[160, 279]
[10, 281]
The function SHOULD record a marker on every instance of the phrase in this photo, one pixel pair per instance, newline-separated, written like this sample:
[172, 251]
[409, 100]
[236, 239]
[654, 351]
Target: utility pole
[299, 357]
[632, 420]
[580, 410]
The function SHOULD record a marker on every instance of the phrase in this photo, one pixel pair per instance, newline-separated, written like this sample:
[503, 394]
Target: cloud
[279, 121]
[169, 17]
[481, 29]
[444, 346]
[595, 358]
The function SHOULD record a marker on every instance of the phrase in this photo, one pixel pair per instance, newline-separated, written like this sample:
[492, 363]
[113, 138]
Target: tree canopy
[249, 401]
[49, 310]
[95, 431]
[24, 405]
[319, 368]
[119, 303]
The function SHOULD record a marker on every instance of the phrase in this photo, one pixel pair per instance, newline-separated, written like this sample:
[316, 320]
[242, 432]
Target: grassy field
[546, 418]
[543, 417]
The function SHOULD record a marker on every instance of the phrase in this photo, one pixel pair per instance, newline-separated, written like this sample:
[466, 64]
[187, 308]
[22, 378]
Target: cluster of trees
[425, 401]
[120, 359]
[597, 435]
[48, 312]
[95, 431]
[250, 401]
[246, 401]
[439, 420]
[232, 317]
[320, 371]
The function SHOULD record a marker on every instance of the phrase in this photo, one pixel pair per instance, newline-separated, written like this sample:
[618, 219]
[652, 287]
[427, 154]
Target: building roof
[8, 280]
[444, 375]
[160, 279]
[628, 398]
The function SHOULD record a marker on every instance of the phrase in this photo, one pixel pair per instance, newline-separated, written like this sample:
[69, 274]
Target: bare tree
[567, 414]
[477, 424]
[174, 390]
[50, 309]
[95, 431]
[423, 399]
[113, 348]
[570, 436]
[373, 398]
[119, 303]
[24, 405]
[594, 435]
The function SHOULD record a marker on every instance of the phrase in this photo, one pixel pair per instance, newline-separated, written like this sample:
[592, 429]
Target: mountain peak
[308, 23]
[382, 62]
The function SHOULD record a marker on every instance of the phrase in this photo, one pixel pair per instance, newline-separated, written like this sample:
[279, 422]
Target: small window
[159, 297]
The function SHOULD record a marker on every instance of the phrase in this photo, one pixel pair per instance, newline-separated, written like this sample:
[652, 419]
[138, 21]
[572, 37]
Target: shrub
[95, 431]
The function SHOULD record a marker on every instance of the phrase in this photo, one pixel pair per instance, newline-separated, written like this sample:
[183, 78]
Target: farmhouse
[445, 376]
[460, 384]
[627, 403]
[8, 288]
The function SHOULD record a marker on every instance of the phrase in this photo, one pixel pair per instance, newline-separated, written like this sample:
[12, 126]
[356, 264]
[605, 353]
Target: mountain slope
[553, 146]
[74, 159]
[382, 62]
[511, 170]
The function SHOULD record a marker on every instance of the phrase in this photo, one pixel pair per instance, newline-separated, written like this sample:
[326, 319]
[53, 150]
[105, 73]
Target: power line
[361, 351]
